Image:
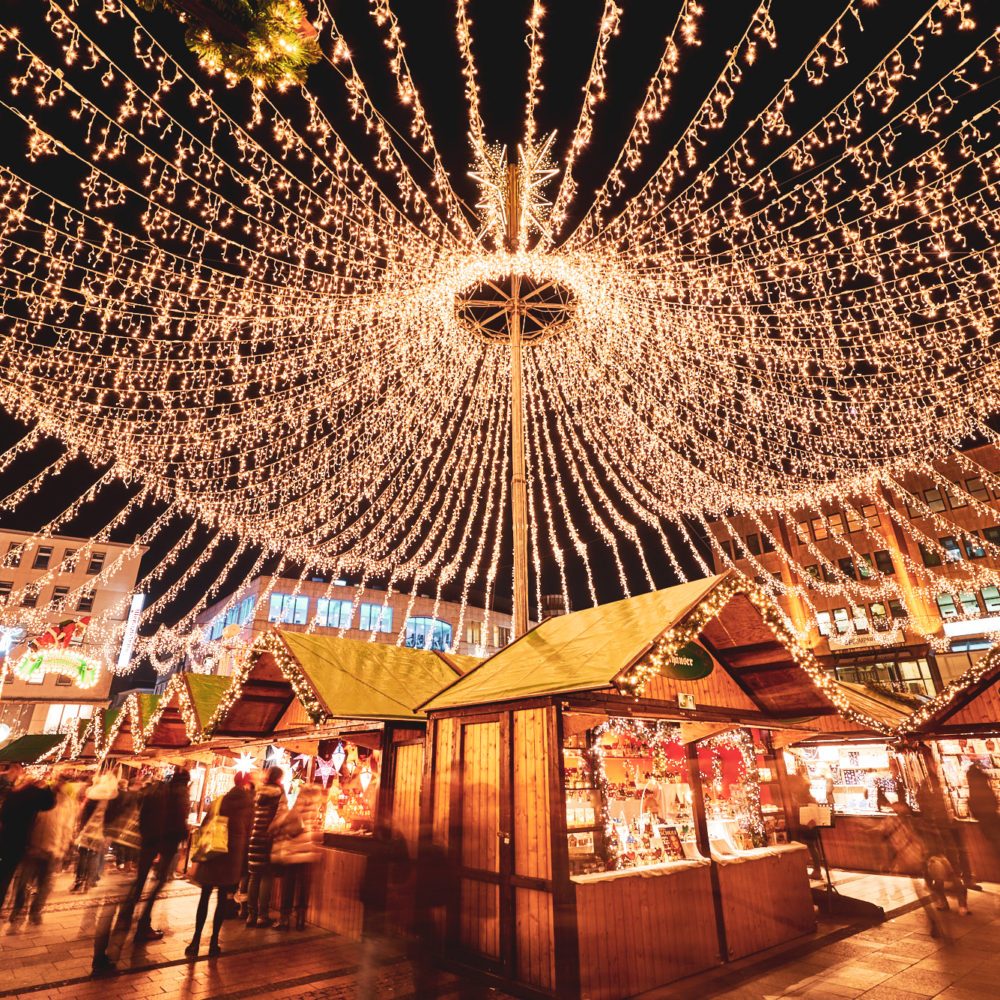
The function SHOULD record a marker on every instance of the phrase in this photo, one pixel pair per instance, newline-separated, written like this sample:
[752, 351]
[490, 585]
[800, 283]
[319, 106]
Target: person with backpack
[222, 870]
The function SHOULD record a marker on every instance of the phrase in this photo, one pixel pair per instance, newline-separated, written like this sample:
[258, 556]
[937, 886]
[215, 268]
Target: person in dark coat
[17, 817]
[983, 806]
[222, 872]
[270, 797]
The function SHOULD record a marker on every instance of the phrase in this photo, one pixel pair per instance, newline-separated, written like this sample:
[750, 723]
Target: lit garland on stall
[269, 642]
[254, 325]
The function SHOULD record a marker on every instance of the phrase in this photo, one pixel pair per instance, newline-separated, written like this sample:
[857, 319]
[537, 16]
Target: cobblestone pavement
[897, 960]
[900, 959]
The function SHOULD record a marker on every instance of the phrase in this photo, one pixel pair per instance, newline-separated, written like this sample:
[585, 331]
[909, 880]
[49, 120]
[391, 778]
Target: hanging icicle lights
[251, 317]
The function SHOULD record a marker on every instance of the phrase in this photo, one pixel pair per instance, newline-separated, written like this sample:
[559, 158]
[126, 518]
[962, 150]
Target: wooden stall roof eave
[582, 651]
[957, 697]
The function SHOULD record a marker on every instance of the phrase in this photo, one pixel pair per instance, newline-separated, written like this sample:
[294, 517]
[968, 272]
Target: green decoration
[268, 42]
[689, 663]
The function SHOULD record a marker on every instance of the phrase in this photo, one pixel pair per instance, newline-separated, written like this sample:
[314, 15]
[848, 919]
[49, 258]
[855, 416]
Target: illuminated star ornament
[282, 332]
[246, 763]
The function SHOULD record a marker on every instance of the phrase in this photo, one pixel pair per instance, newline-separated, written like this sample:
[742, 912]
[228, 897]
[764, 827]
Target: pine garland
[269, 42]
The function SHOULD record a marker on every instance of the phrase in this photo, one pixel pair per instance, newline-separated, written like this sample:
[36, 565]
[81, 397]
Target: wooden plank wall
[638, 932]
[532, 848]
[984, 708]
[406, 794]
[765, 902]
[335, 901]
[718, 689]
[533, 919]
[445, 769]
[479, 918]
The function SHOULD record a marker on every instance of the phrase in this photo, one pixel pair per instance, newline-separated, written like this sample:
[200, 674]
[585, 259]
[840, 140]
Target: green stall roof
[582, 651]
[27, 749]
[206, 692]
[369, 680]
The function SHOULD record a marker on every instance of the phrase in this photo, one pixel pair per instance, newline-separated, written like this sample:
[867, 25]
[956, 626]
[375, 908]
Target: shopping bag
[211, 839]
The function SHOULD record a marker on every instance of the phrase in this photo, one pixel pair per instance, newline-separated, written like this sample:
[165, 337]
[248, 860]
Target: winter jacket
[53, 830]
[227, 869]
[163, 815]
[269, 799]
[17, 817]
[298, 832]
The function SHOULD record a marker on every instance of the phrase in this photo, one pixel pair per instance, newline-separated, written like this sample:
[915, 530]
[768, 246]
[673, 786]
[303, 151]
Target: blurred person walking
[800, 793]
[21, 806]
[297, 833]
[269, 799]
[222, 871]
[92, 840]
[50, 839]
[983, 807]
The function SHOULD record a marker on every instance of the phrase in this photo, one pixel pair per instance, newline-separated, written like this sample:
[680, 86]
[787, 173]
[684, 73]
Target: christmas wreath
[269, 42]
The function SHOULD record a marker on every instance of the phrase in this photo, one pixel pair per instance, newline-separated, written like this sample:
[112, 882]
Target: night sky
[502, 55]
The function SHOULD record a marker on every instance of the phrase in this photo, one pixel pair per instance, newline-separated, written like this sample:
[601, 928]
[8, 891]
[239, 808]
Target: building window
[992, 535]
[896, 608]
[42, 556]
[836, 522]
[502, 635]
[930, 558]
[823, 623]
[847, 566]
[29, 599]
[376, 618]
[474, 633]
[973, 546]
[818, 529]
[866, 568]
[813, 571]
[59, 598]
[975, 487]
[85, 603]
[13, 557]
[428, 633]
[288, 609]
[991, 599]
[69, 561]
[334, 614]
[946, 605]
[753, 544]
[96, 563]
[727, 547]
[802, 532]
[766, 542]
[854, 519]
[935, 500]
[215, 631]
[828, 573]
[883, 560]
[870, 513]
[970, 605]
[880, 620]
[860, 620]
[246, 609]
[841, 620]
[5, 588]
[953, 552]
[956, 499]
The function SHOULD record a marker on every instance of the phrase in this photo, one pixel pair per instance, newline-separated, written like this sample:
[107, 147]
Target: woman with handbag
[297, 833]
[228, 818]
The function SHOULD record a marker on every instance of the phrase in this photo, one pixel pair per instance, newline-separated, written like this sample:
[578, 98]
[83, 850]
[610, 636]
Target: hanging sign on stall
[690, 663]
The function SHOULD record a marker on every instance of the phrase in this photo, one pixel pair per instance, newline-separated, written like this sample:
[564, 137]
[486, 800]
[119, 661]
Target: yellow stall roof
[582, 651]
[371, 680]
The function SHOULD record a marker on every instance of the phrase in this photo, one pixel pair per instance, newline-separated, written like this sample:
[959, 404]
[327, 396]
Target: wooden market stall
[847, 764]
[347, 707]
[958, 728]
[124, 735]
[607, 793]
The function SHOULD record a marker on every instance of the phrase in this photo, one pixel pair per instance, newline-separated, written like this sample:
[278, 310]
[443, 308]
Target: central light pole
[519, 482]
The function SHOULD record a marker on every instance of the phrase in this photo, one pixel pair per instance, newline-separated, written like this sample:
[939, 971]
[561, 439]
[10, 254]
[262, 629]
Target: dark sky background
[502, 55]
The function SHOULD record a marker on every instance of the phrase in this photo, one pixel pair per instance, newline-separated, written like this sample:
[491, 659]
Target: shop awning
[370, 680]
[27, 749]
[206, 691]
[582, 651]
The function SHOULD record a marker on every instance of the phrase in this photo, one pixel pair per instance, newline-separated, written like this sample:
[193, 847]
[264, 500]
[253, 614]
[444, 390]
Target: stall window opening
[350, 773]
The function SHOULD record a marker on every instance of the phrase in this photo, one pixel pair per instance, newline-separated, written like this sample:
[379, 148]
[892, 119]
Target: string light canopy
[273, 315]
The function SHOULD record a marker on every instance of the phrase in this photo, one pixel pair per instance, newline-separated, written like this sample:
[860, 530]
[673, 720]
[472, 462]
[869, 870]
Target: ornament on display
[365, 777]
[50, 653]
[338, 757]
[326, 769]
[246, 763]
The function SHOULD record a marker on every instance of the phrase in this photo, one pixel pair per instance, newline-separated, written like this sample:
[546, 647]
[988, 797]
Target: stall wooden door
[481, 848]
